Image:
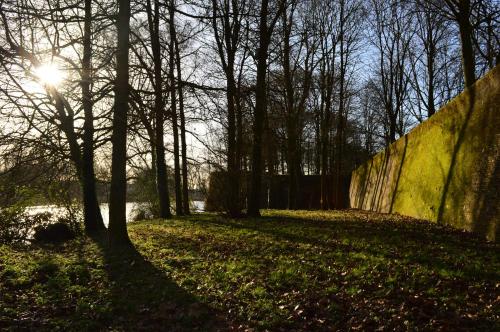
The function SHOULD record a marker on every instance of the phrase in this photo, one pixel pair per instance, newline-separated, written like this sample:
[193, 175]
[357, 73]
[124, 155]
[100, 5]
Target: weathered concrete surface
[446, 169]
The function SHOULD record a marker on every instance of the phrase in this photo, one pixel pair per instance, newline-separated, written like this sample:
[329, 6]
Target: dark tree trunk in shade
[460, 11]
[118, 193]
[185, 183]
[392, 127]
[259, 113]
[239, 136]
[66, 116]
[292, 119]
[67, 119]
[327, 92]
[339, 142]
[293, 168]
[265, 31]
[466, 32]
[431, 105]
[232, 200]
[92, 213]
[325, 138]
[430, 48]
[295, 96]
[226, 25]
[159, 112]
[173, 111]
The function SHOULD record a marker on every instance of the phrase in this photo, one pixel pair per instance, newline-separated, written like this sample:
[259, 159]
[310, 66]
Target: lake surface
[199, 206]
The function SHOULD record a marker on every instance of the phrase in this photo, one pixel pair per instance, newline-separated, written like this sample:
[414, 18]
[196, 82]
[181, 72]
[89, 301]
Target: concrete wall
[446, 169]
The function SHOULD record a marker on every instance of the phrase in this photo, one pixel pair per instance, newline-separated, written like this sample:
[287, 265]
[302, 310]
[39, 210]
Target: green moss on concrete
[446, 169]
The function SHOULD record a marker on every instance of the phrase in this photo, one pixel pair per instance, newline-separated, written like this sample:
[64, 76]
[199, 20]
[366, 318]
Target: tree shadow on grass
[414, 240]
[362, 225]
[405, 263]
[80, 287]
[144, 298]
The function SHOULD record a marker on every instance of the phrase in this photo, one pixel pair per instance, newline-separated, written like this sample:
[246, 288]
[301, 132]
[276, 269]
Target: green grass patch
[302, 270]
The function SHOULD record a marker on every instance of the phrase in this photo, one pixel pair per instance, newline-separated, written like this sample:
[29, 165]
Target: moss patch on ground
[286, 271]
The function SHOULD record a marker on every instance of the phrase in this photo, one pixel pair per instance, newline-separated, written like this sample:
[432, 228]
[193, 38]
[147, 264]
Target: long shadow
[487, 219]
[395, 190]
[381, 234]
[130, 294]
[361, 195]
[362, 229]
[377, 193]
[144, 298]
[456, 148]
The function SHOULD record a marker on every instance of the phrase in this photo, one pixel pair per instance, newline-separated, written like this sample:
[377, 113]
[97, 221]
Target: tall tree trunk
[118, 196]
[293, 167]
[173, 110]
[327, 86]
[291, 112]
[392, 129]
[185, 188]
[152, 145]
[431, 106]
[431, 55]
[239, 144]
[259, 113]
[227, 40]
[317, 147]
[66, 117]
[339, 142]
[465, 27]
[67, 126]
[161, 168]
[341, 114]
[92, 213]
[325, 140]
[232, 200]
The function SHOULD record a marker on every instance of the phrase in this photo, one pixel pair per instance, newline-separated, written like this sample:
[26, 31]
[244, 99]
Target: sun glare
[49, 74]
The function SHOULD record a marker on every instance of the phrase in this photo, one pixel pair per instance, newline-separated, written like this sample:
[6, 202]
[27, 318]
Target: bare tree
[81, 154]
[180, 91]
[298, 62]
[349, 32]
[92, 213]
[487, 33]
[173, 108]
[392, 35]
[118, 193]
[431, 33]
[159, 104]
[267, 22]
[227, 19]
[327, 57]
[460, 12]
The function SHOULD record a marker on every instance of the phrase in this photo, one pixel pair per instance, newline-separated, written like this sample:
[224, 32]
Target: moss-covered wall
[446, 169]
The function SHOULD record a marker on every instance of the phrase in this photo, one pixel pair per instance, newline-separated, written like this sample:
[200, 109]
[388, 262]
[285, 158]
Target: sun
[49, 74]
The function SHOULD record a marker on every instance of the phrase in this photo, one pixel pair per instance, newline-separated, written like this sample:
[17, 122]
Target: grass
[286, 271]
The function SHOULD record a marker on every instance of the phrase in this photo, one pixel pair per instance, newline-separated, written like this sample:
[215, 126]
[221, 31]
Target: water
[199, 206]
